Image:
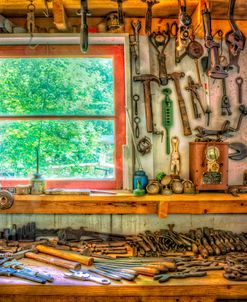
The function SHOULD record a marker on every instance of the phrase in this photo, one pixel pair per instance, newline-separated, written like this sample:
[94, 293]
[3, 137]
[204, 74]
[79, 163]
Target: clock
[209, 165]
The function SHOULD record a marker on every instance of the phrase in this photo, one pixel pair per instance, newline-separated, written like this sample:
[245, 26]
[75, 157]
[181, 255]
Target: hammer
[175, 76]
[146, 79]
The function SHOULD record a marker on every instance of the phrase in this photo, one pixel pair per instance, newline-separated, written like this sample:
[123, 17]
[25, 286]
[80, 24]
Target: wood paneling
[203, 203]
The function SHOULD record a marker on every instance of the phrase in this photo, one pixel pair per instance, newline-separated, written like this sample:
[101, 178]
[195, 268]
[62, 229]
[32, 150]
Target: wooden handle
[53, 260]
[85, 260]
[147, 271]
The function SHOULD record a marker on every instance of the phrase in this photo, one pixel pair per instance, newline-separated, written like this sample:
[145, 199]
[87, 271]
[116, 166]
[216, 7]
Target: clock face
[212, 153]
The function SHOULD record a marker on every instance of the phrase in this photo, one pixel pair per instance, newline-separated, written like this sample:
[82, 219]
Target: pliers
[241, 151]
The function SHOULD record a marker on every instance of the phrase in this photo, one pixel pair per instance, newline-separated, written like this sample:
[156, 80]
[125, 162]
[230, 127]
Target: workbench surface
[205, 289]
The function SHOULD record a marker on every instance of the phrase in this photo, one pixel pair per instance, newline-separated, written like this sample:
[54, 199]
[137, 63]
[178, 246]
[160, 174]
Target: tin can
[37, 184]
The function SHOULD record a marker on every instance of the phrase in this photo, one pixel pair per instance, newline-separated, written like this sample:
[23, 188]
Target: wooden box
[209, 165]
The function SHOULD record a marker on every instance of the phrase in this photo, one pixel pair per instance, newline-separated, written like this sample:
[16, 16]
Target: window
[66, 107]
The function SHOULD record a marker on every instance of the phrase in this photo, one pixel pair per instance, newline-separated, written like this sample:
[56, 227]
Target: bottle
[140, 176]
[37, 184]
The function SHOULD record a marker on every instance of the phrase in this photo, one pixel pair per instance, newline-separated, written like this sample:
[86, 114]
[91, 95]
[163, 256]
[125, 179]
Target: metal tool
[46, 10]
[225, 101]
[146, 79]
[180, 275]
[235, 39]
[144, 145]
[226, 129]
[175, 76]
[137, 121]
[215, 69]
[175, 156]
[31, 17]
[159, 40]
[195, 50]
[135, 44]
[239, 81]
[192, 87]
[240, 151]
[120, 11]
[136, 99]
[6, 200]
[149, 15]
[84, 12]
[167, 116]
[85, 276]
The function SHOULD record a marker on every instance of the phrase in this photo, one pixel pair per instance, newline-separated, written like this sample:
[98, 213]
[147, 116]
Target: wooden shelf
[203, 203]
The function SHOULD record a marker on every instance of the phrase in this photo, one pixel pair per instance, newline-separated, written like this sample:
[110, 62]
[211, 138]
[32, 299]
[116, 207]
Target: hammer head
[147, 78]
[176, 75]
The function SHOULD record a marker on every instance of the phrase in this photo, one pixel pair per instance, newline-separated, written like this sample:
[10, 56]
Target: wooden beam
[60, 18]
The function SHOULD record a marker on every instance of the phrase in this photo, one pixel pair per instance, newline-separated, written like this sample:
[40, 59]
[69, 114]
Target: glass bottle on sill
[37, 184]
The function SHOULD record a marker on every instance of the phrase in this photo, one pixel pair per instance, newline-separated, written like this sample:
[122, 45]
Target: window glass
[68, 86]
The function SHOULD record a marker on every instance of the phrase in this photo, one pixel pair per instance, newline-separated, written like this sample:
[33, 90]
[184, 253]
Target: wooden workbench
[144, 289]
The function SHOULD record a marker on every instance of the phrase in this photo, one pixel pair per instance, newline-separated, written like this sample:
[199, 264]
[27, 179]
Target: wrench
[225, 102]
[241, 151]
[85, 276]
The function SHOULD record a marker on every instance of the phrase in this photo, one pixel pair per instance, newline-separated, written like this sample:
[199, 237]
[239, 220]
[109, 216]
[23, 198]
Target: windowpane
[74, 86]
[68, 149]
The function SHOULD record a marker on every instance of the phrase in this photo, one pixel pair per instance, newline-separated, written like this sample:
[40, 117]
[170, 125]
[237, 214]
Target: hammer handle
[65, 255]
[148, 106]
[183, 111]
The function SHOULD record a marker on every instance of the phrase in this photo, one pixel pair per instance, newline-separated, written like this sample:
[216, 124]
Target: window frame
[117, 53]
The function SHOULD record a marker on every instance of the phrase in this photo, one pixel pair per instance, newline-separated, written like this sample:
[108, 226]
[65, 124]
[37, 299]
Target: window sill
[126, 203]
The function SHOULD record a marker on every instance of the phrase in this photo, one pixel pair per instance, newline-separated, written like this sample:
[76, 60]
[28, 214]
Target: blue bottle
[140, 176]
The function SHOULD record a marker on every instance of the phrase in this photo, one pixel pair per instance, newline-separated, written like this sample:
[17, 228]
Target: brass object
[189, 187]
[153, 187]
[23, 189]
[177, 186]
[175, 156]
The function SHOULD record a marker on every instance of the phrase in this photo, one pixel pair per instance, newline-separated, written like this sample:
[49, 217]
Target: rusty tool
[176, 76]
[235, 39]
[135, 45]
[149, 15]
[240, 151]
[120, 11]
[225, 101]
[239, 81]
[180, 275]
[159, 40]
[192, 87]
[146, 79]
[215, 69]
[84, 12]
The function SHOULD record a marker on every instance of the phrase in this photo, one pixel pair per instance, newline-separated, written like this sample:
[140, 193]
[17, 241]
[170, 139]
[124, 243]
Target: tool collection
[162, 255]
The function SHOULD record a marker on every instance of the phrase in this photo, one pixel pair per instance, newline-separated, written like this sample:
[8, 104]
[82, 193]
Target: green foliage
[68, 148]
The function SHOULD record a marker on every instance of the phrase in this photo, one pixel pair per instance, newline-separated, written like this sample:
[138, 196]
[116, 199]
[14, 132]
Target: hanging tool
[137, 121]
[225, 101]
[85, 276]
[175, 76]
[240, 151]
[192, 87]
[136, 99]
[167, 116]
[84, 12]
[175, 157]
[144, 145]
[235, 39]
[135, 44]
[120, 11]
[31, 17]
[6, 200]
[215, 69]
[146, 79]
[195, 50]
[239, 81]
[159, 40]
[46, 10]
[182, 31]
[149, 15]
